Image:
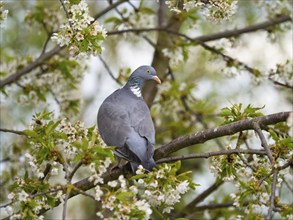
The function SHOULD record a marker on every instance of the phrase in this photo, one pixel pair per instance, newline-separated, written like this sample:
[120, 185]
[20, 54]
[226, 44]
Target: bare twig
[273, 193]
[289, 163]
[109, 71]
[204, 194]
[5, 205]
[65, 205]
[210, 154]
[229, 59]
[84, 193]
[11, 131]
[225, 34]
[66, 13]
[78, 165]
[46, 43]
[112, 6]
[281, 84]
[263, 140]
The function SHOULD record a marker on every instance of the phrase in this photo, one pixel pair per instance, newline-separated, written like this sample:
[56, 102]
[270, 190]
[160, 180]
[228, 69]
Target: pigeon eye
[148, 71]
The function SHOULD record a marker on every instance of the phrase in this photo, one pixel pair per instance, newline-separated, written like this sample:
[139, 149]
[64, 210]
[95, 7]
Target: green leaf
[125, 196]
[146, 10]
[30, 133]
[51, 126]
[113, 20]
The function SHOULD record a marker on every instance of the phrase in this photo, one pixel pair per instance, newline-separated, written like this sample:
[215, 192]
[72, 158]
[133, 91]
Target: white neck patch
[135, 90]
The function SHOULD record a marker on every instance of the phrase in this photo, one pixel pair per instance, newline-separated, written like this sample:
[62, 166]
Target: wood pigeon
[124, 121]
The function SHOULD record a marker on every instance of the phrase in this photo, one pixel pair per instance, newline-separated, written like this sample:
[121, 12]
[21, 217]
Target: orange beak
[157, 79]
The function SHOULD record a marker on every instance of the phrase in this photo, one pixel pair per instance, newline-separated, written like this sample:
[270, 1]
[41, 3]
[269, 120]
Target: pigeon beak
[157, 79]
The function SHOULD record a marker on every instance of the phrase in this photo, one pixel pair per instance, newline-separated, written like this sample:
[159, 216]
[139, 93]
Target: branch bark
[210, 154]
[233, 128]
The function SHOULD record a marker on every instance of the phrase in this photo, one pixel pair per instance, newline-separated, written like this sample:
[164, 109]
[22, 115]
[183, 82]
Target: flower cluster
[162, 188]
[282, 74]
[60, 80]
[122, 198]
[3, 13]
[215, 10]
[46, 17]
[82, 34]
[128, 199]
[34, 165]
[123, 201]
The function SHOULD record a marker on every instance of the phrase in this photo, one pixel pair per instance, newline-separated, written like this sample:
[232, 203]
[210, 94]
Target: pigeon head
[142, 74]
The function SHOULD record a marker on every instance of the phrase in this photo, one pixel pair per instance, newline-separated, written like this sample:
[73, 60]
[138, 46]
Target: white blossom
[11, 195]
[9, 210]
[113, 183]
[183, 187]
[98, 193]
[144, 206]
[22, 196]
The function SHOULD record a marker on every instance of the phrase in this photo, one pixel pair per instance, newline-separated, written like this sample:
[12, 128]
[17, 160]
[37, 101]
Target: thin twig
[112, 6]
[204, 194]
[78, 165]
[210, 154]
[65, 206]
[109, 71]
[225, 34]
[45, 193]
[281, 84]
[288, 186]
[289, 163]
[5, 205]
[11, 131]
[46, 43]
[273, 193]
[263, 140]
[83, 193]
[67, 14]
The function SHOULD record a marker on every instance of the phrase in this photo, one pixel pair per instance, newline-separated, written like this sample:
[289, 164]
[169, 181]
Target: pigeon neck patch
[135, 90]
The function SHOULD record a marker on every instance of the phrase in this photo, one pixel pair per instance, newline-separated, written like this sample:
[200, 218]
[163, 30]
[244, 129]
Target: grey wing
[113, 124]
[143, 125]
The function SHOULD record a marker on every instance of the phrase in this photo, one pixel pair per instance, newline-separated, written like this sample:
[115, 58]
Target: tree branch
[205, 38]
[210, 154]
[263, 140]
[273, 193]
[11, 131]
[43, 57]
[109, 70]
[112, 6]
[204, 194]
[203, 136]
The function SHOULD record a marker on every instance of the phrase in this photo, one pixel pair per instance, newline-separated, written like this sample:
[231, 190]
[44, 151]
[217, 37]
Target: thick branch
[203, 136]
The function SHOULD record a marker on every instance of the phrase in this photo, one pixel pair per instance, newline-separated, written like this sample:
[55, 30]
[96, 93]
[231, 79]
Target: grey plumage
[124, 121]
